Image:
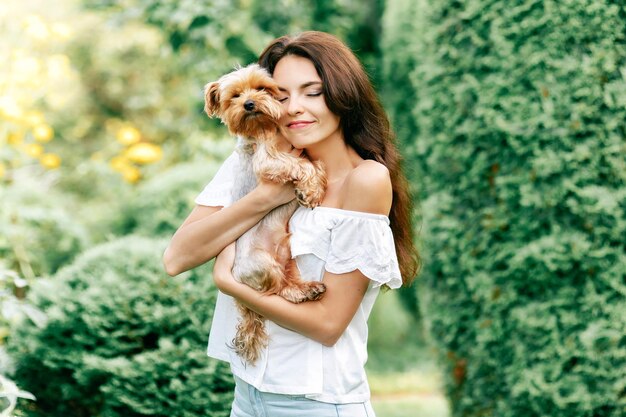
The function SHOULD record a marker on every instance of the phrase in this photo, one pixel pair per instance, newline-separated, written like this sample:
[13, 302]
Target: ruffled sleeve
[218, 192]
[365, 242]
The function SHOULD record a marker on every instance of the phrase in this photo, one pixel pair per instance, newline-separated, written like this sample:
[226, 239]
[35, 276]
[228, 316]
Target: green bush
[38, 234]
[159, 205]
[122, 339]
[401, 23]
[520, 112]
[393, 333]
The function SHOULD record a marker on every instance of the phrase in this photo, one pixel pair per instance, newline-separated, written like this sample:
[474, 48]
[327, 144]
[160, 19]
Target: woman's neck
[338, 158]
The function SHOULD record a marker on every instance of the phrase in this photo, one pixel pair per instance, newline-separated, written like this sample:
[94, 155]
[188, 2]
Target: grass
[413, 406]
[403, 375]
[407, 394]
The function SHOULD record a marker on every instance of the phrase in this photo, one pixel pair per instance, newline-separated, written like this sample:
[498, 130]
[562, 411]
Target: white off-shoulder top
[323, 239]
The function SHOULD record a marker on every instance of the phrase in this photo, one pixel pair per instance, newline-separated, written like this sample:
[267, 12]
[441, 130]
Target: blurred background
[511, 117]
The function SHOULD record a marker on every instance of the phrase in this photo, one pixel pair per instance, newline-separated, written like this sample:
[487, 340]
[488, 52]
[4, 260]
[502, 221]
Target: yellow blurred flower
[10, 108]
[61, 30]
[26, 68]
[119, 163]
[50, 160]
[34, 118]
[58, 66]
[144, 153]
[131, 174]
[43, 133]
[15, 138]
[2, 170]
[34, 150]
[96, 156]
[128, 135]
[35, 27]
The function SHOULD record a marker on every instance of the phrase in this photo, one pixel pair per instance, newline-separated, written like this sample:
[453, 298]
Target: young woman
[358, 240]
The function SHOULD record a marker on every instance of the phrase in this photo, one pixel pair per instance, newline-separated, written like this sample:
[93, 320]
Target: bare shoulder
[368, 188]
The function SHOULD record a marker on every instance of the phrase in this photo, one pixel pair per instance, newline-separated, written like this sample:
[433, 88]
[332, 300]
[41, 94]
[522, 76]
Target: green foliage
[520, 130]
[160, 205]
[122, 339]
[212, 35]
[209, 35]
[129, 78]
[391, 328]
[38, 233]
[402, 22]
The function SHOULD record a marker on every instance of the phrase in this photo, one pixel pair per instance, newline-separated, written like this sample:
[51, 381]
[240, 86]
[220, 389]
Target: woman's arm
[208, 230]
[323, 321]
[368, 189]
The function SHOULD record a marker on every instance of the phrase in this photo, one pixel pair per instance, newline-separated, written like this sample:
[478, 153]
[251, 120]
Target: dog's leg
[293, 288]
[308, 177]
[288, 284]
[272, 165]
[296, 290]
[310, 182]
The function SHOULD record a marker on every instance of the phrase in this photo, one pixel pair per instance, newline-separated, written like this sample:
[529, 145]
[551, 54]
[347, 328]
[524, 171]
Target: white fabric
[218, 191]
[335, 240]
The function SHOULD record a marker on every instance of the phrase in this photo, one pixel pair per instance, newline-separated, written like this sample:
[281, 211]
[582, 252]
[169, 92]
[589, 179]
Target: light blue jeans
[250, 402]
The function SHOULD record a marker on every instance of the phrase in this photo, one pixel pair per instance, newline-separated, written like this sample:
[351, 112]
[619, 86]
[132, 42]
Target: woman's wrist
[262, 200]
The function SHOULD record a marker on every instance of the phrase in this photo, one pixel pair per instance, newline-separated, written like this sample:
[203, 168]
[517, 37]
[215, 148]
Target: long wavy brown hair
[349, 94]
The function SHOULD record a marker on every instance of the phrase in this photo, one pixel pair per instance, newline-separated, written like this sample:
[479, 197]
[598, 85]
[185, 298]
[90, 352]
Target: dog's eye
[260, 89]
[235, 95]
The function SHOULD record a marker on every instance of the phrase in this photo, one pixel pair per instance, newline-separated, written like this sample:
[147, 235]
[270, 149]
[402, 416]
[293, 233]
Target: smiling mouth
[299, 124]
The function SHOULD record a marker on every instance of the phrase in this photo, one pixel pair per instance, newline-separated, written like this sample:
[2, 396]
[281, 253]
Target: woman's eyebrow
[303, 86]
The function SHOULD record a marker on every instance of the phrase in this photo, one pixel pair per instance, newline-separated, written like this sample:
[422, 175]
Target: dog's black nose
[248, 105]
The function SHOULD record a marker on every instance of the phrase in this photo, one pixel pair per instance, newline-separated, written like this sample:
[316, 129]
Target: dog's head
[245, 101]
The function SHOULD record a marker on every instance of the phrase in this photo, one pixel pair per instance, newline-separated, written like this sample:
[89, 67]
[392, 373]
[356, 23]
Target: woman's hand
[222, 270]
[272, 194]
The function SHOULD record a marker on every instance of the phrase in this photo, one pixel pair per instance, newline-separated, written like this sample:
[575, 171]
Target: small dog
[245, 101]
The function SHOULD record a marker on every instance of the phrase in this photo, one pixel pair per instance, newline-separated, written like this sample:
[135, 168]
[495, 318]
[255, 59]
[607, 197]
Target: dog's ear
[273, 90]
[212, 98]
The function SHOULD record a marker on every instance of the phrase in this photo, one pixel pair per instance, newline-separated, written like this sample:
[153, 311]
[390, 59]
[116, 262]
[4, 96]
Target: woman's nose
[293, 106]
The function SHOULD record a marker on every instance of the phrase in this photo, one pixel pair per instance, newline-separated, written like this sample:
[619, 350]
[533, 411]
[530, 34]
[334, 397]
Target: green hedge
[38, 234]
[520, 114]
[159, 205]
[122, 339]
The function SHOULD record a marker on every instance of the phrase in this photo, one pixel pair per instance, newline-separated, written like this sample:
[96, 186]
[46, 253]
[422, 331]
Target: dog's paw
[302, 200]
[315, 291]
[309, 198]
[305, 291]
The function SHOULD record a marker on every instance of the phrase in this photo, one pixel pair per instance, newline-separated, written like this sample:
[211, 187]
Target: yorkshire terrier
[245, 101]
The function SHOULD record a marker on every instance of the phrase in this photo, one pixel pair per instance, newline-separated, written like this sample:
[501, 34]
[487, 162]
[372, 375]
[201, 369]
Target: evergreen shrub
[37, 234]
[122, 339]
[401, 23]
[159, 205]
[520, 111]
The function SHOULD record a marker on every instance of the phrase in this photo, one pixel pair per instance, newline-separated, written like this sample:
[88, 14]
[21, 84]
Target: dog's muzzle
[248, 105]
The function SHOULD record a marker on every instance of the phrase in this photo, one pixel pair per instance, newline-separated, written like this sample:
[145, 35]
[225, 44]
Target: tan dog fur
[245, 101]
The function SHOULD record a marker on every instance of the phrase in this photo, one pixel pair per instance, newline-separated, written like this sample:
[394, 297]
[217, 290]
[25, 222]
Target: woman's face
[306, 119]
